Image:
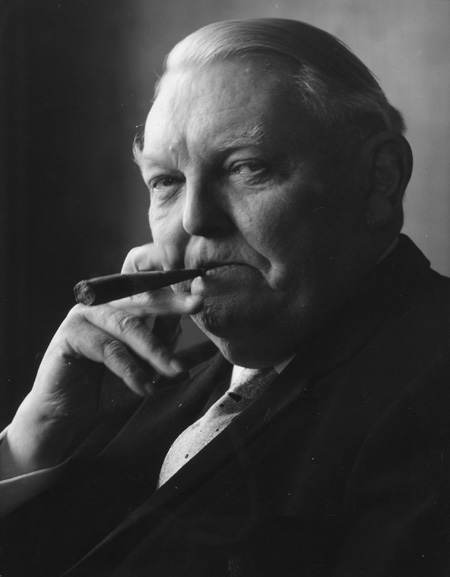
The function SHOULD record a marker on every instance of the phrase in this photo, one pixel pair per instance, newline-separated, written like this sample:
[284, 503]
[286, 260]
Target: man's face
[244, 185]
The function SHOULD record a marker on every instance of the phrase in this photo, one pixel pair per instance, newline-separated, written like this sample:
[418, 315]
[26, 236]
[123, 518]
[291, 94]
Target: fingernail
[177, 366]
[194, 302]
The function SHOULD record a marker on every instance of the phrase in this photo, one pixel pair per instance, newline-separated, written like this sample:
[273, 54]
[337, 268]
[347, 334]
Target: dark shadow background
[76, 82]
[69, 113]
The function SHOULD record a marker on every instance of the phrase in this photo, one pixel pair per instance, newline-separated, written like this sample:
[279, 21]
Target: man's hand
[133, 338]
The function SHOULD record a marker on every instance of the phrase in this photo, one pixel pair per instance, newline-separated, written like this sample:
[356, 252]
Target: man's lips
[235, 278]
[226, 271]
[222, 267]
[214, 268]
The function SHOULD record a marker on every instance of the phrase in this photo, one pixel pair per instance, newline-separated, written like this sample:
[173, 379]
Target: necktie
[250, 383]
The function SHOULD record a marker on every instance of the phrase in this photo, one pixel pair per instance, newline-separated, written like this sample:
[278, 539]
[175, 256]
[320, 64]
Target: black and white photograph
[225, 288]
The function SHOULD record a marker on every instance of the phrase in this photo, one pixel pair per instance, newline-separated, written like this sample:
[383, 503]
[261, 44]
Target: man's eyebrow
[144, 159]
[252, 135]
[141, 158]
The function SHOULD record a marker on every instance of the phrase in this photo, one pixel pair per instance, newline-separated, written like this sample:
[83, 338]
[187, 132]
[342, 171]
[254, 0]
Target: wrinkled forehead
[244, 98]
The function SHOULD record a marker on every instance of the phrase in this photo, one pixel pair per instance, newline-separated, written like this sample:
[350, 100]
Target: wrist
[36, 441]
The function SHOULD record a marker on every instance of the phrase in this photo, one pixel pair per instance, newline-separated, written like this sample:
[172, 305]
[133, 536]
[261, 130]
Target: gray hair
[335, 87]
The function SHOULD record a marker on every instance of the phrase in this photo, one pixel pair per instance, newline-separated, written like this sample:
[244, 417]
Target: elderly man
[310, 434]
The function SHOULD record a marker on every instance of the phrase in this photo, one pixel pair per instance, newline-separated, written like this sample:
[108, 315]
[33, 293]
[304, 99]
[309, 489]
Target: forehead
[224, 102]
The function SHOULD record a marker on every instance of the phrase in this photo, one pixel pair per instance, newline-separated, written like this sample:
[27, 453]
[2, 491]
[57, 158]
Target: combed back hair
[334, 86]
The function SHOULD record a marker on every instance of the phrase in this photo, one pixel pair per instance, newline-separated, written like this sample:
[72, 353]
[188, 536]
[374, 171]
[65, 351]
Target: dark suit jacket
[341, 468]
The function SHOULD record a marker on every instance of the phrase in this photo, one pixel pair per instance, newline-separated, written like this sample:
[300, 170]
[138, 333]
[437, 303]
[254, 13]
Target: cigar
[103, 289]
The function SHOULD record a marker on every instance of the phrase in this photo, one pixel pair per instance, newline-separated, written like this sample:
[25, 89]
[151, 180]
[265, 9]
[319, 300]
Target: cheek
[168, 234]
[292, 234]
[165, 224]
[276, 226]
[277, 236]
[262, 217]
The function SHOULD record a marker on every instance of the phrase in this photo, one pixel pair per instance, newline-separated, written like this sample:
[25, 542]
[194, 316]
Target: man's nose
[206, 209]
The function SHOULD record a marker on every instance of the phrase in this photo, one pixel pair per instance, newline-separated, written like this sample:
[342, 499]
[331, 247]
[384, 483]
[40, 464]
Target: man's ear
[387, 160]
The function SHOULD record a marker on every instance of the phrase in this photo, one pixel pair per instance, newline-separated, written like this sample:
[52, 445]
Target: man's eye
[163, 182]
[248, 167]
[252, 171]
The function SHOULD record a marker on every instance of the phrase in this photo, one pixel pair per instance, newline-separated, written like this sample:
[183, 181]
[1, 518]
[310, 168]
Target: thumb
[143, 258]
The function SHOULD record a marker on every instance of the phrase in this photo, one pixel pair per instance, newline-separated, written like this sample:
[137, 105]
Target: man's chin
[229, 319]
[244, 339]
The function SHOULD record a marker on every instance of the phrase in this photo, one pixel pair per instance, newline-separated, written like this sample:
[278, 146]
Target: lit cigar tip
[83, 293]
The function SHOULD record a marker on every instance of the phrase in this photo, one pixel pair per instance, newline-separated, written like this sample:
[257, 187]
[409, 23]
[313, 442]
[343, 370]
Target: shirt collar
[279, 367]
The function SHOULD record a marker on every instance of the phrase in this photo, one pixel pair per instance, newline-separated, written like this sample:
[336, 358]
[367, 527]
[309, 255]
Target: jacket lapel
[164, 503]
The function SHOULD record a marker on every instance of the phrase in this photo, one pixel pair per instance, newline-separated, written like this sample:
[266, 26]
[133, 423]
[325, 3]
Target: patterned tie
[250, 384]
